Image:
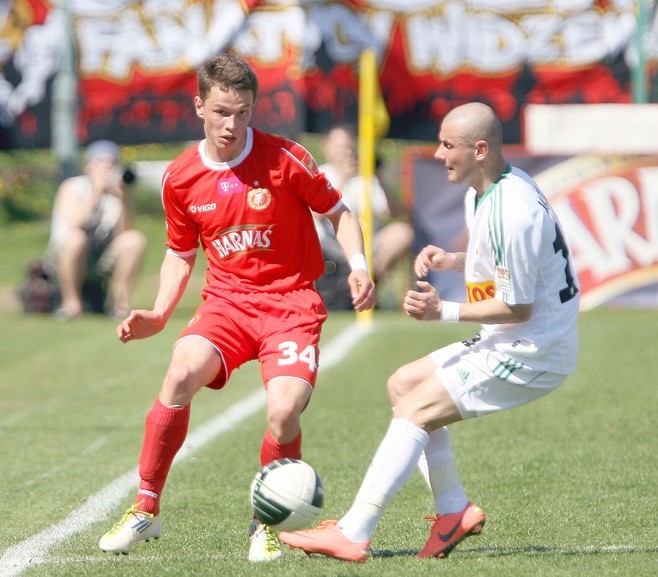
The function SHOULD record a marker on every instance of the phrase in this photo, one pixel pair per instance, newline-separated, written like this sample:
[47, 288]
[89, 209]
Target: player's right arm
[175, 273]
[435, 258]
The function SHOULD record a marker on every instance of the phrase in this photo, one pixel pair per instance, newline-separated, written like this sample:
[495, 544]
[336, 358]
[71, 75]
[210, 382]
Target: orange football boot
[449, 530]
[326, 539]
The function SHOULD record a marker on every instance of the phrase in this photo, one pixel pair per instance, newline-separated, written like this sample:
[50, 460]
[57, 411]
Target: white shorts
[482, 380]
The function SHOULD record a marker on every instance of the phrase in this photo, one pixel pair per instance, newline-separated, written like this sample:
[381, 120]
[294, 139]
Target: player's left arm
[349, 235]
[305, 178]
[427, 305]
[494, 311]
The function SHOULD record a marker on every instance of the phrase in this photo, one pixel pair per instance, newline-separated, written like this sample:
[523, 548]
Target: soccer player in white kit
[521, 288]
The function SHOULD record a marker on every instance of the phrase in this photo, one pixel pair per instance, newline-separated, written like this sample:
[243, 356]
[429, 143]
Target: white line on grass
[98, 506]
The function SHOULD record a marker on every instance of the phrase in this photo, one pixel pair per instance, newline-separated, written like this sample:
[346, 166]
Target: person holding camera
[92, 239]
[393, 236]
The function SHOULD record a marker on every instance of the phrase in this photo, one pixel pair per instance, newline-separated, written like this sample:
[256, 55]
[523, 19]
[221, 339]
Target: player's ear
[481, 148]
[198, 106]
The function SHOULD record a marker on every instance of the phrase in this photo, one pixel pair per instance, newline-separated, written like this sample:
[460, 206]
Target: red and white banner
[135, 60]
[608, 206]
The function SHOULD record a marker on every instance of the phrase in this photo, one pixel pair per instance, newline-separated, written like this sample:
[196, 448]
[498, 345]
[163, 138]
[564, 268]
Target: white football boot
[264, 545]
[135, 525]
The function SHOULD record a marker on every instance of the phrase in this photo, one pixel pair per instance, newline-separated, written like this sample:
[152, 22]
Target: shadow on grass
[528, 550]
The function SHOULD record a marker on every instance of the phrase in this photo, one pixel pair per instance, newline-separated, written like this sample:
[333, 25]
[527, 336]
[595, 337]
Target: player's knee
[393, 388]
[282, 418]
[179, 386]
[286, 400]
[282, 415]
[398, 384]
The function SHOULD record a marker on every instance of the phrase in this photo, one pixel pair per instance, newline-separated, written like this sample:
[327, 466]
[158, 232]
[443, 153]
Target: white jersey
[517, 253]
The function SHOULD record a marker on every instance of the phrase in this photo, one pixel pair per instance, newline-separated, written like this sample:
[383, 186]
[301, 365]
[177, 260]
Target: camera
[123, 174]
[128, 176]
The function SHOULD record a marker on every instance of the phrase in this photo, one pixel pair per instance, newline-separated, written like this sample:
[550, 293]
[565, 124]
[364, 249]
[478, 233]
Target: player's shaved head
[476, 121]
[471, 145]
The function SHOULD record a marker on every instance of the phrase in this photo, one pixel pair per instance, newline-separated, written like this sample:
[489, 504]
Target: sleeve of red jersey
[307, 181]
[182, 232]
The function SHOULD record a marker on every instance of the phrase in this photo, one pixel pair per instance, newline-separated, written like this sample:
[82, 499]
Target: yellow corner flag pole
[373, 124]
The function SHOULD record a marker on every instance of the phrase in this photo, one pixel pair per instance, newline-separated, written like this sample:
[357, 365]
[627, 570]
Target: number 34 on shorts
[290, 354]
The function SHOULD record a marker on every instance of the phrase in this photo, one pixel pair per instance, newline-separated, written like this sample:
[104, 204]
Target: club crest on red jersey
[259, 198]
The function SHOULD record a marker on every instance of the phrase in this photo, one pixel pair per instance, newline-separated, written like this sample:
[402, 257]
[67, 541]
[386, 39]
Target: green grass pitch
[568, 483]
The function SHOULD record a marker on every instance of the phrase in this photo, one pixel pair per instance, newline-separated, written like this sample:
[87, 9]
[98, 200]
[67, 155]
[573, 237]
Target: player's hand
[362, 289]
[424, 305]
[140, 324]
[433, 258]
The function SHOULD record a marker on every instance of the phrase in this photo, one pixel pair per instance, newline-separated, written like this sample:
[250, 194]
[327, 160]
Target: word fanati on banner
[136, 60]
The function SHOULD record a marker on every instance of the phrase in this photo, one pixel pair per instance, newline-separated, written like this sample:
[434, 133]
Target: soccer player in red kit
[246, 197]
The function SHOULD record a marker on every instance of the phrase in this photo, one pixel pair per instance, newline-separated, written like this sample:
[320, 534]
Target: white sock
[442, 475]
[391, 467]
[424, 469]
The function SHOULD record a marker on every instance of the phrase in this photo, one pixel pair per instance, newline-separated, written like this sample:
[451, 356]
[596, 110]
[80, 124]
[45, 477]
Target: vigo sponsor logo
[203, 207]
[480, 291]
[243, 239]
[611, 223]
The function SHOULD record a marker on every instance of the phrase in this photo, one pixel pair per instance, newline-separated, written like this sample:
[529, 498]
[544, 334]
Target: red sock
[164, 435]
[270, 450]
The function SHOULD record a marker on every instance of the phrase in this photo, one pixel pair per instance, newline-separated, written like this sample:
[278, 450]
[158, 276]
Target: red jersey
[252, 215]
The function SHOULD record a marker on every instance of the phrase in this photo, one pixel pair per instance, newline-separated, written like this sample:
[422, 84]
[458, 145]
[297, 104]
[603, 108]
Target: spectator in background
[392, 239]
[92, 236]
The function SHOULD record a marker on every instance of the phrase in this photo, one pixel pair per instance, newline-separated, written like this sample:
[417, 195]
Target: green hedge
[29, 181]
[29, 178]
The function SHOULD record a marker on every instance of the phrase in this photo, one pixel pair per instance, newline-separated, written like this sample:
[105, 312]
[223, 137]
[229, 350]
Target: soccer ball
[287, 495]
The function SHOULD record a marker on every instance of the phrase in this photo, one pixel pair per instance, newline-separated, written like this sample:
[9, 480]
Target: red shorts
[280, 330]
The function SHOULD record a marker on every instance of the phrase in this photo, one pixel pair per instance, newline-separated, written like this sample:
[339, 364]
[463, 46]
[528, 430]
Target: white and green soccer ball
[287, 495]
